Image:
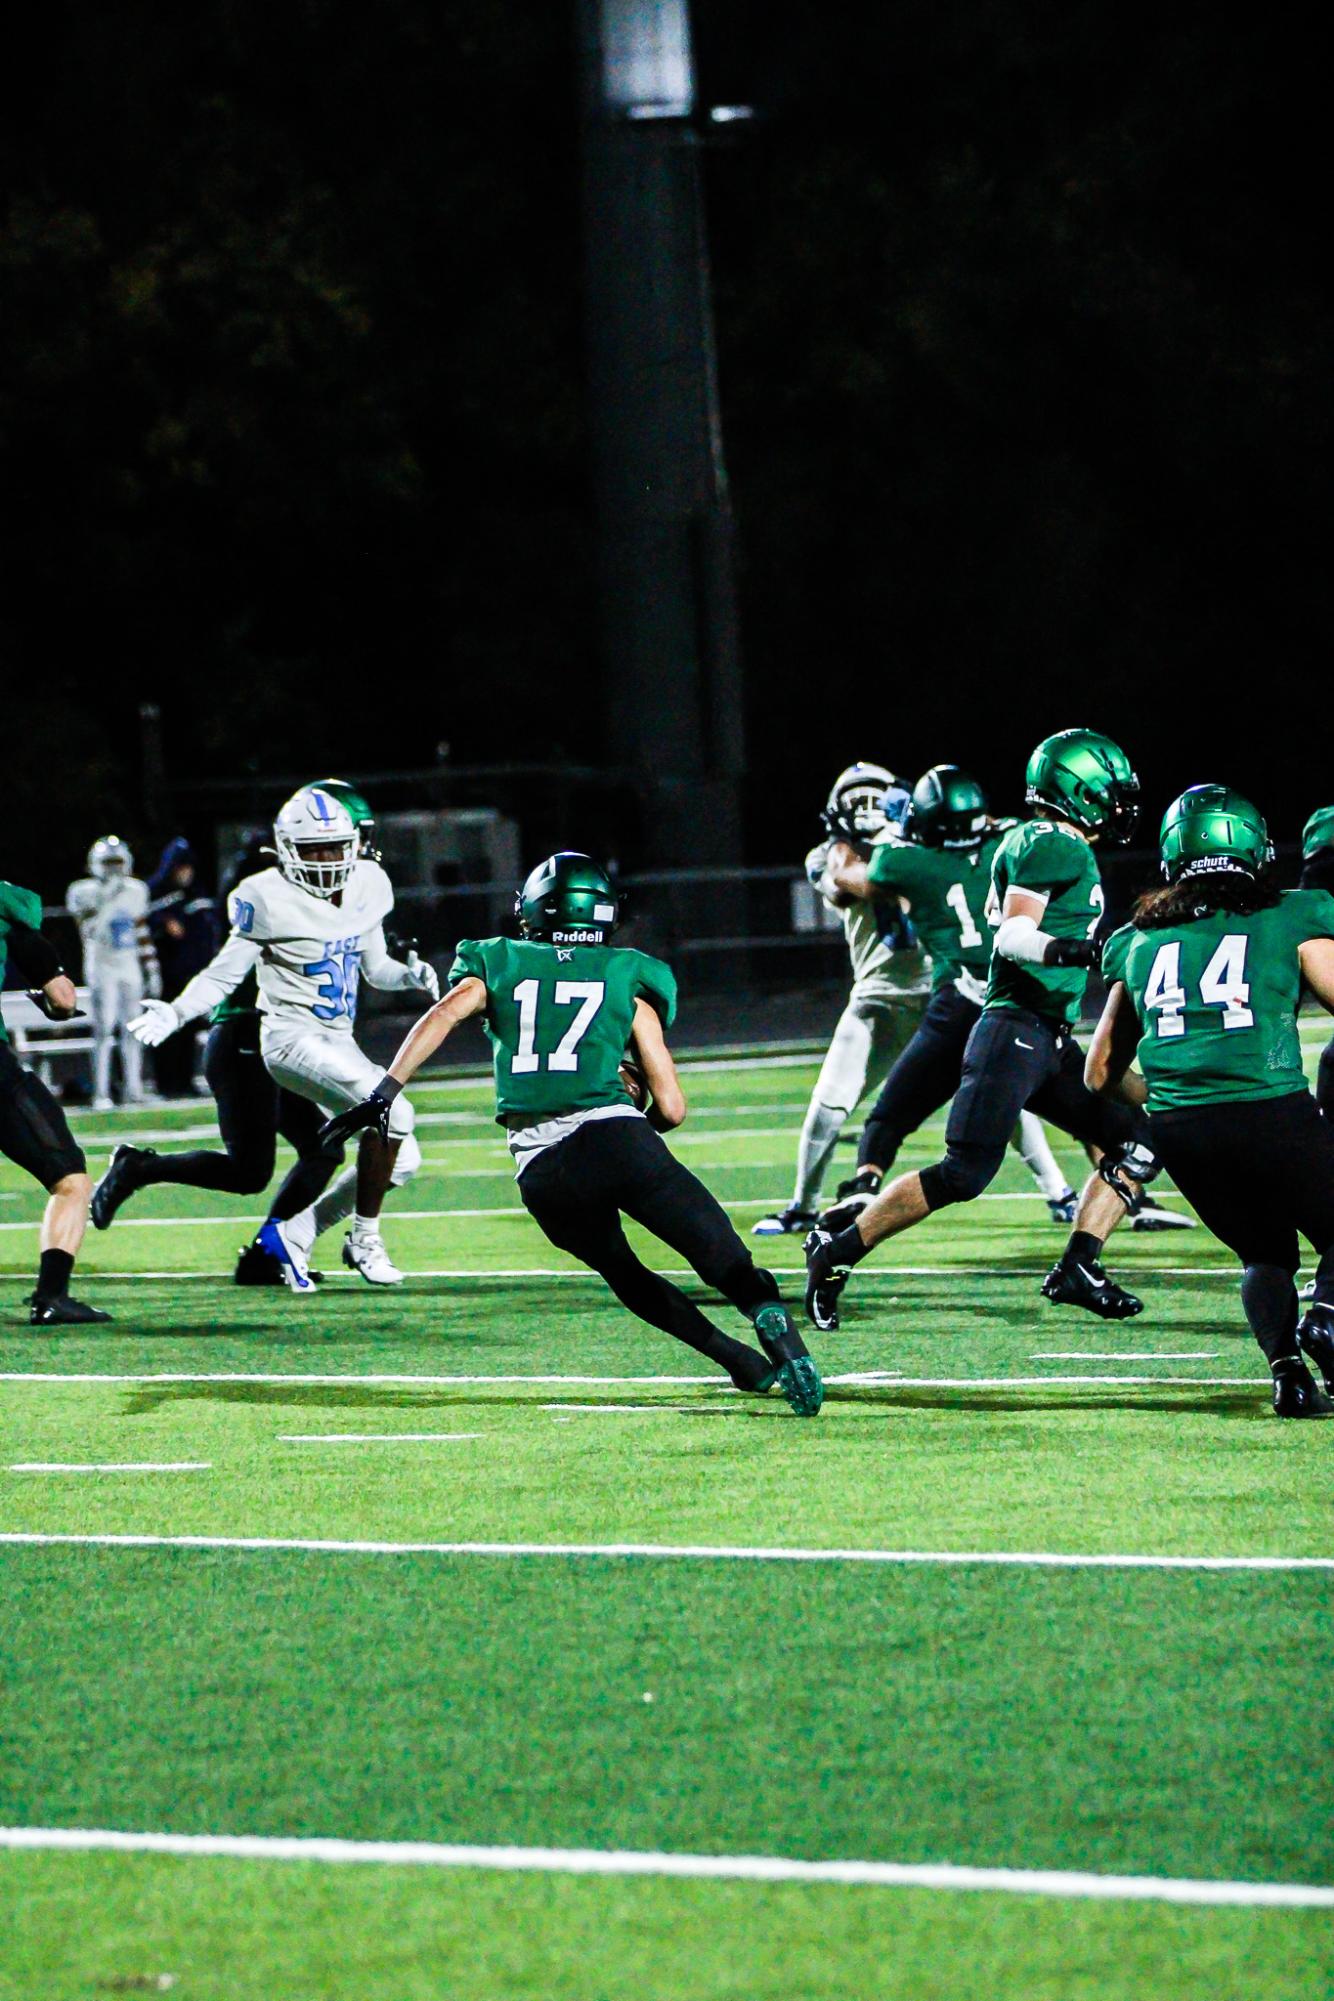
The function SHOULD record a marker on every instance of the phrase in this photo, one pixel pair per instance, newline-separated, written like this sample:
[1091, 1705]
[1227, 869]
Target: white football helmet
[856, 802]
[109, 857]
[313, 818]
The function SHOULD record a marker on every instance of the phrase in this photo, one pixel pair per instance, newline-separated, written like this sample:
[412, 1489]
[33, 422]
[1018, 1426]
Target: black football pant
[925, 1076]
[34, 1133]
[578, 1191]
[252, 1111]
[1258, 1174]
[1324, 1090]
[1017, 1061]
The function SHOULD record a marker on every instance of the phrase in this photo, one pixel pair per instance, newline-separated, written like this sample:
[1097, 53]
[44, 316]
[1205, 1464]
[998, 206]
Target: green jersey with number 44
[946, 891]
[1060, 866]
[559, 1017]
[1217, 1000]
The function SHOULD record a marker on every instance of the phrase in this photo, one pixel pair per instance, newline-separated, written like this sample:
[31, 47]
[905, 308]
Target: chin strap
[1127, 1164]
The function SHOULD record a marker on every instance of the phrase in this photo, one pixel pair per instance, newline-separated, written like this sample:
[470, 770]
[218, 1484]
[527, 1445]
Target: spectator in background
[184, 925]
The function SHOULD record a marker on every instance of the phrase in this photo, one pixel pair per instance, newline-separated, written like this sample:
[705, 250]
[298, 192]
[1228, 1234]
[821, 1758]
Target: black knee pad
[960, 1177]
[1134, 1159]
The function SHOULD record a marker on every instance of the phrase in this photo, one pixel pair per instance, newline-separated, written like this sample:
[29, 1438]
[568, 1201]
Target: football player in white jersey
[110, 905]
[311, 928]
[891, 981]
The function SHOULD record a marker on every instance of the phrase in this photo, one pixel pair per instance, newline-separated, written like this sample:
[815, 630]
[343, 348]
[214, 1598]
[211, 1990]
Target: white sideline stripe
[690, 1552]
[147, 1466]
[372, 1437]
[639, 1862]
[860, 1376]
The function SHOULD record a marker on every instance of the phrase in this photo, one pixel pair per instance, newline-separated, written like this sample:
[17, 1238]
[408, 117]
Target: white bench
[38, 1041]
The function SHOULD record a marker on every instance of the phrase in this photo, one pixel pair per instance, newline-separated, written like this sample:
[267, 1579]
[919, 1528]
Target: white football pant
[112, 999]
[871, 1031]
[333, 1073]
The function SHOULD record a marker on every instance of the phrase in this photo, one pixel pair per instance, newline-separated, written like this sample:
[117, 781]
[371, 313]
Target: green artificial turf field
[481, 1564]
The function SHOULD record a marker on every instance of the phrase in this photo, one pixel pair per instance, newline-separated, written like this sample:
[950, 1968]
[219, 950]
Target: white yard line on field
[671, 1552]
[373, 1437]
[946, 1876]
[144, 1466]
[1127, 1355]
[867, 1378]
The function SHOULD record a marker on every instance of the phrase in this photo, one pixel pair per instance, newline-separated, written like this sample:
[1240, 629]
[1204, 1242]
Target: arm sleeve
[469, 963]
[657, 984]
[1020, 941]
[220, 977]
[383, 971]
[35, 956]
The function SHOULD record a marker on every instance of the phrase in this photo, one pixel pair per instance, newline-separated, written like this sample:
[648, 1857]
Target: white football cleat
[366, 1253]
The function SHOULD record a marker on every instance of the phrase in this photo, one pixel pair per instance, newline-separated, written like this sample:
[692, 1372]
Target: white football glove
[423, 974]
[158, 1020]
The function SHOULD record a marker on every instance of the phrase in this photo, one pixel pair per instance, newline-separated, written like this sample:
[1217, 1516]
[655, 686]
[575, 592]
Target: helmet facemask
[323, 877]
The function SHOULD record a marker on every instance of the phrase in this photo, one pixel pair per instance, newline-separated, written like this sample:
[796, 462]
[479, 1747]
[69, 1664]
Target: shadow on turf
[1171, 1401]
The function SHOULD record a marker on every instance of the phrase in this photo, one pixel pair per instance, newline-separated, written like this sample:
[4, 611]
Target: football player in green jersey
[1203, 986]
[942, 870]
[1046, 902]
[562, 1008]
[253, 1111]
[33, 1131]
[1318, 873]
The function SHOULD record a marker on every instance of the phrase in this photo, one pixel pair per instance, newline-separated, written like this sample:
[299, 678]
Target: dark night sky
[1024, 360]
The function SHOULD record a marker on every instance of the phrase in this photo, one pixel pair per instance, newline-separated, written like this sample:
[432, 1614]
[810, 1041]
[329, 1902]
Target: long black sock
[53, 1274]
[659, 1302]
[1083, 1248]
[224, 1173]
[849, 1247]
[1269, 1300]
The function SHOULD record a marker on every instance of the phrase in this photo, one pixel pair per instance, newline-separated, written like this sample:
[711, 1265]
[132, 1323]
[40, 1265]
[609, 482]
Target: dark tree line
[1024, 360]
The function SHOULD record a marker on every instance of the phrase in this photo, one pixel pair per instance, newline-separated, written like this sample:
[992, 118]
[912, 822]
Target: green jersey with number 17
[559, 1017]
[1217, 1000]
[1060, 866]
[946, 891]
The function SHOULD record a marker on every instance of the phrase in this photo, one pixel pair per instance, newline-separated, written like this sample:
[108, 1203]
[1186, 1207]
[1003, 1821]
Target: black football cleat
[62, 1311]
[256, 1266]
[1315, 1337]
[1151, 1215]
[1297, 1394]
[1087, 1285]
[825, 1280]
[850, 1199]
[789, 1222]
[122, 1179]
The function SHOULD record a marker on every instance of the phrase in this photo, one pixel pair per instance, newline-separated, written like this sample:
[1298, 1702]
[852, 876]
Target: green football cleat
[800, 1382]
[796, 1374]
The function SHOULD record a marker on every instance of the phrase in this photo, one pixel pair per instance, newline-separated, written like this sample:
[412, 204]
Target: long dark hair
[1182, 902]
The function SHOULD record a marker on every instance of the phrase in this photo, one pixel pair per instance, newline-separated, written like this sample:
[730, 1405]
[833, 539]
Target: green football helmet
[948, 810]
[1318, 832]
[358, 811]
[1211, 829]
[1083, 777]
[567, 900]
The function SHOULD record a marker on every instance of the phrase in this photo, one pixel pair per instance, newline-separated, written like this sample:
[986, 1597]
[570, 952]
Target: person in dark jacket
[184, 925]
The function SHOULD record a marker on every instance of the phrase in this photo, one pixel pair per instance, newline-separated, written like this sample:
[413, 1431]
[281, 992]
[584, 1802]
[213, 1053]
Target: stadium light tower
[669, 626]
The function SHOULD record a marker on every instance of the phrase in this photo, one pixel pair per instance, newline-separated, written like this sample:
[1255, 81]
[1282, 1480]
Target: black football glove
[42, 999]
[373, 1111]
[1071, 952]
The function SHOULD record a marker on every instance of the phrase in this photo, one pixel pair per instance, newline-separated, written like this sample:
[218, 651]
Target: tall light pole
[669, 624]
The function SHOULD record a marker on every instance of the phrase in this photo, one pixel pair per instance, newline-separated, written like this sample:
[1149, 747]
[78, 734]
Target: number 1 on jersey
[565, 1056]
[957, 899]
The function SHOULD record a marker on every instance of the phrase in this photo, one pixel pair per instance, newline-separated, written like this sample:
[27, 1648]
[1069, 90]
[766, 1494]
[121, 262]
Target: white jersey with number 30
[308, 952]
